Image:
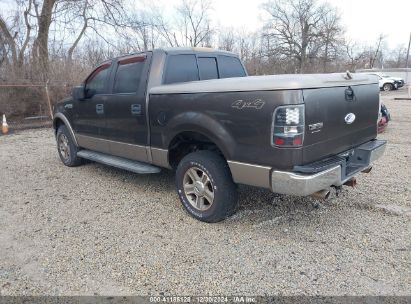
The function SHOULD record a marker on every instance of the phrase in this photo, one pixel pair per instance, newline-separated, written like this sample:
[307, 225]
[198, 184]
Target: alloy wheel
[64, 147]
[198, 188]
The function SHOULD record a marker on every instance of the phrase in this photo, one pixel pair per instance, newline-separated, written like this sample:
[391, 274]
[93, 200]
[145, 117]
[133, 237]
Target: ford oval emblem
[349, 118]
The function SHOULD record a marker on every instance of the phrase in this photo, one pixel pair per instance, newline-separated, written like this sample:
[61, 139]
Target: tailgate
[338, 119]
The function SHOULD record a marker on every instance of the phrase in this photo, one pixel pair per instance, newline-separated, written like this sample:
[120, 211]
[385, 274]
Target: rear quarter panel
[239, 123]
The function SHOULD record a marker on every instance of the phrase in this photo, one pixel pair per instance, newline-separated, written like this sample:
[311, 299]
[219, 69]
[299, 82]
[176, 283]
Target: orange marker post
[4, 125]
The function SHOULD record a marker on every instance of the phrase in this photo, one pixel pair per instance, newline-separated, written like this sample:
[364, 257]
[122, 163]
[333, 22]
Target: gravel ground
[99, 230]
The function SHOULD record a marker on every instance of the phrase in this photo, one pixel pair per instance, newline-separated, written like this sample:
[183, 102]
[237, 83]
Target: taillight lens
[288, 126]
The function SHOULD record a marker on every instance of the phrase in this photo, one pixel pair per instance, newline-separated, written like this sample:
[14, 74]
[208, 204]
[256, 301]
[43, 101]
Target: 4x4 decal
[241, 104]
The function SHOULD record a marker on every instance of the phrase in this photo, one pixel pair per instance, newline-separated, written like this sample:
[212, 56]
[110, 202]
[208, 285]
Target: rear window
[230, 67]
[181, 68]
[128, 77]
[208, 68]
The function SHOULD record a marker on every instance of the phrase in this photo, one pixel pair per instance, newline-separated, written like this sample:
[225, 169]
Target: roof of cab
[190, 50]
[174, 51]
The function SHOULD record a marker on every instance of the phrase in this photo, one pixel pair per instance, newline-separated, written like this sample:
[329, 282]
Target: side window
[208, 68]
[97, 79]
[230, 67]
[128, 77]
[181, 68]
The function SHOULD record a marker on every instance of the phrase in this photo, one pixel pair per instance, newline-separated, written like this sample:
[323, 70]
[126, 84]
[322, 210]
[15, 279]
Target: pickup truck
[196, 111]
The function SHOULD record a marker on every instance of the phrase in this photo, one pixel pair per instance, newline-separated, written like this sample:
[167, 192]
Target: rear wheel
[205, 186]
[67, 148]
[388, 87]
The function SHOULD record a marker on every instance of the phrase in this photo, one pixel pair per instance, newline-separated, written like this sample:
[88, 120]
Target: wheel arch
[197, 131]
[60, 119]
[391, 84]
[189, 140]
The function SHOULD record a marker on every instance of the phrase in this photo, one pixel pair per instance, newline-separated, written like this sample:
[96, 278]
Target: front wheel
[67, 148]
[205, 186]
[388, 87]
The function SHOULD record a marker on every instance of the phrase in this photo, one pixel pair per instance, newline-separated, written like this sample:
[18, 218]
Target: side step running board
[119, 162]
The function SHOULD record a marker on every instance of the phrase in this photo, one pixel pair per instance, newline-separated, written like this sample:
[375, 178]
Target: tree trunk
[304, 45]
[27, 37]
[9, 39]
[80, 35]
[40, 47]
[74, 45]
[325, 58]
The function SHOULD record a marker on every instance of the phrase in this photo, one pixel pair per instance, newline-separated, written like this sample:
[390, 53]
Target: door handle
[136, 109]
[100, 108]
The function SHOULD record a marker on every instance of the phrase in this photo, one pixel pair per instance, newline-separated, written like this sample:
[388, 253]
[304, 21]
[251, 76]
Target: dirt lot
[98, 230]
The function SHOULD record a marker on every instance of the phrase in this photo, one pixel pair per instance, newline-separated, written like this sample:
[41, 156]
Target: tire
[66, 147]
[387, 87]
[205, 186]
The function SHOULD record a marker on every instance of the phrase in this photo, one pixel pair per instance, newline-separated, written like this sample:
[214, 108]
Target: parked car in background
[388, 83]
[384, 118]
[398, 80]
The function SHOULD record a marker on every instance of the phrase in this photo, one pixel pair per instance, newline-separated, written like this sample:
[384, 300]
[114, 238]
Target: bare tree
[41, 43]
[297, 27]
[9, 40]
[193, 21]
[227, 39]
[377, 53]
[245, 44]
[164, 27]
[143, 25]
[331, 32]
[351, 51]
[85, 23]
[97, 15]
[10, 36]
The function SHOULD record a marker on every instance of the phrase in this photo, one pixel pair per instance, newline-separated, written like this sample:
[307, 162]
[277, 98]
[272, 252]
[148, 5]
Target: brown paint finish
[242, 133]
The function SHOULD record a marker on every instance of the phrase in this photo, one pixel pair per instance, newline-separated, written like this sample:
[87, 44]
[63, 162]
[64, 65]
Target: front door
[89, 113]
[125, 107]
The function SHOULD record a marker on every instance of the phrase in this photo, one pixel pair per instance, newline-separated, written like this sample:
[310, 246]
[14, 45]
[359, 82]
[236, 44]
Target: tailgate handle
[349, 94]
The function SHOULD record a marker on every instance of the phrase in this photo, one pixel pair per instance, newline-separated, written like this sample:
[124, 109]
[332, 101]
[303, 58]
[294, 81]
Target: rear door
[339, 118]
[125, 108]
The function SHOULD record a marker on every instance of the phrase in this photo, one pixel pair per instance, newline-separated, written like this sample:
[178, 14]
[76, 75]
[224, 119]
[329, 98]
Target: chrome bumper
[302, 184]
[305, 184]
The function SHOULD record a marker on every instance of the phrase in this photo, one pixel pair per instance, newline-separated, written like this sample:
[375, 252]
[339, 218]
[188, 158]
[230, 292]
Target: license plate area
[351, 161]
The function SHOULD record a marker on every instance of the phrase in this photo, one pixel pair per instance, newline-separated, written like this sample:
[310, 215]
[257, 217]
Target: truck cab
[108, 112]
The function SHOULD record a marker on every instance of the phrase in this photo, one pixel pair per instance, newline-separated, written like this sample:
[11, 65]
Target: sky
[363, 20]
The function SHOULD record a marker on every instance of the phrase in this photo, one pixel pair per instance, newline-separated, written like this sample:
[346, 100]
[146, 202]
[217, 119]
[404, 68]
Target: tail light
[288, 126]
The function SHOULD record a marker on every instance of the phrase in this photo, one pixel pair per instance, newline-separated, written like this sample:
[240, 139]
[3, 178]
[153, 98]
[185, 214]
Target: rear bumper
[328, 172]
[303, 184]
[310, 178]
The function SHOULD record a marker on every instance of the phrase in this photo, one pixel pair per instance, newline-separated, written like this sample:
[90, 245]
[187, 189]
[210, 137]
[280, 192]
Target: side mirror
[78, 93]
[89, 93]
